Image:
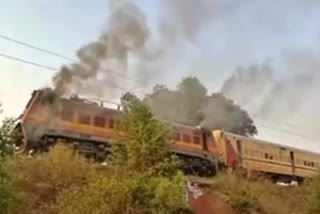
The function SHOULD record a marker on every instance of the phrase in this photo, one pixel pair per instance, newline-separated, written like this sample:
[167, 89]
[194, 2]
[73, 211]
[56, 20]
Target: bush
[313, 196]
[261, 195]
[118, 194]
[8, 136]
[41, 179]
[7, 192]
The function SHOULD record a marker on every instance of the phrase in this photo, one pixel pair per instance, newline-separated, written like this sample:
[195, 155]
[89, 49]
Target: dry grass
[261, 195]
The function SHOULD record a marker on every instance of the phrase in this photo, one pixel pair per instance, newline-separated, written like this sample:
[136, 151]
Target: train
[90, 126]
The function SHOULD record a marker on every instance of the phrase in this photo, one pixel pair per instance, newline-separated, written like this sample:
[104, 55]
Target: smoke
[290, 99]
[99, 62]
[129, 47]
[208, 38]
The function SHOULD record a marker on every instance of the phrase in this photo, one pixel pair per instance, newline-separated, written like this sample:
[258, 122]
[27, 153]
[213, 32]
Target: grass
[261, 195]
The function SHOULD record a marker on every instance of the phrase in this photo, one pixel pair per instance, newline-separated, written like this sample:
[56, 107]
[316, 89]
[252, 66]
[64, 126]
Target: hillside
[233, 194]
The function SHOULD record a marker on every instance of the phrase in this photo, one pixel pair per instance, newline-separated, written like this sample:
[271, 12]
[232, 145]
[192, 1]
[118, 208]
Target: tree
[145, 135]
[7, 137]
[189, 104]
[222, 113]
[162, 102]
[191, 95]
[143, 177]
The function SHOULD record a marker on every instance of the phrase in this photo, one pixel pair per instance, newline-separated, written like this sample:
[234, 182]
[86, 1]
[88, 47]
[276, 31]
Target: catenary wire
[55, 69]
[62, 56]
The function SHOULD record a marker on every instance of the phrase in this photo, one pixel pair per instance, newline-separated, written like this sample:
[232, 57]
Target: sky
[225, 34]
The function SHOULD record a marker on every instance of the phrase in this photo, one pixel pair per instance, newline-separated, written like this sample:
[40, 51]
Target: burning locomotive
[91, 126]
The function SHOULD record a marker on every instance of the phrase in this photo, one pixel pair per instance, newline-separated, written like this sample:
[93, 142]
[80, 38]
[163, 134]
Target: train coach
[279, 162]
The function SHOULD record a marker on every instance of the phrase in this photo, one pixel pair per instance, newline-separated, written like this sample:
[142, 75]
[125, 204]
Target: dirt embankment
[204, 201]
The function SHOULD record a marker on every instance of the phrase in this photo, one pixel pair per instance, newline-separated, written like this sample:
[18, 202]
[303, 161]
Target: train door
[239, 149]
[292, 165]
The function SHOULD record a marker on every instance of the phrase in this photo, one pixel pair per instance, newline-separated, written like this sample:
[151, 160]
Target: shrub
[41, 179]
[261, 194]
[118, 194]
[7, 192]
[313, 196]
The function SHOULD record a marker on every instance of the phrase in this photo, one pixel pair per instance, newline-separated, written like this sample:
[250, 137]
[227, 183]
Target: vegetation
[41, 179]
[313, 196]
[7, 137]
[190, 104]
[142, 177]
[7, 191]
[260, 195]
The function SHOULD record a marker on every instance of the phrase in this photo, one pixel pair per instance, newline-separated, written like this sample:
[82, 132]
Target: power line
[28, 62]
[280, 122]
[55, 69]
[35, 47]
[289, 132]
[62, 56]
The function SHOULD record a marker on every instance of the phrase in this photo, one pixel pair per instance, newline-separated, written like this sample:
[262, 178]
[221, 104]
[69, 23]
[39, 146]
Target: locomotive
[90, 126]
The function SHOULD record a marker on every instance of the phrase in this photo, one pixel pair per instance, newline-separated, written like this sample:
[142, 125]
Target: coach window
[261, 154]
[256, 153]
[176, 136]
[84, 119]
[196, 139]
[111, 123]
[100, 122]
[67, 115]
[312, 164]
[245, 151]
[186, 138]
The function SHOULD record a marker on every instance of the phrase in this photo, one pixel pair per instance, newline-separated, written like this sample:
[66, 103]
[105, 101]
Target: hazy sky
[233, 33]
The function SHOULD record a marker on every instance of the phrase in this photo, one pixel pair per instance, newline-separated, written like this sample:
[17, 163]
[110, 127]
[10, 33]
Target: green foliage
[8, 136]
[119, 194]
[260, 195]
[41, 179]
[313, 198]
[189, 104]
[143, 177]
[7, 190]
[146, 143]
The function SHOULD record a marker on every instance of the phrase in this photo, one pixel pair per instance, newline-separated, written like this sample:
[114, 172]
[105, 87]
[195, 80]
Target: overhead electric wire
[62, 56]
[279, 122]
[28, 62]
[35, 47]
[289, 132]
[55, 69]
